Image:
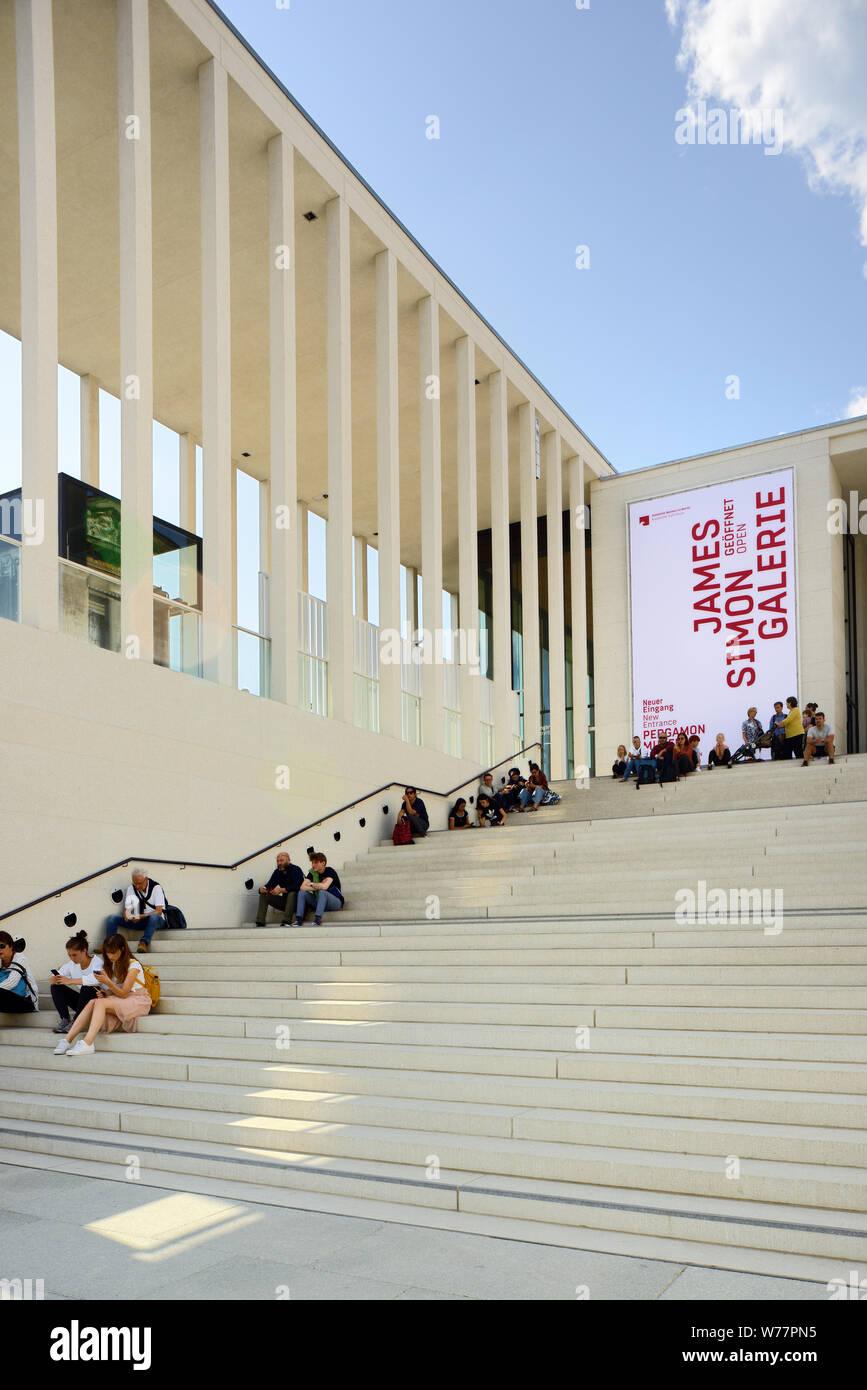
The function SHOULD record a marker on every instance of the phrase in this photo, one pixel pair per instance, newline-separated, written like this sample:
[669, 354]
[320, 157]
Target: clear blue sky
[557, 130]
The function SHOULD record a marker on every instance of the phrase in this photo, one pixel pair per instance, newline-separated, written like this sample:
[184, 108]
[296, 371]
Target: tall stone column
[217, 471]
[339, 539]
[136, 330]
[556, 605]
[90, 430]
[432, 523]
[34, 48]
[578, 581]
[282, 528]
[468, 549]
[501, 587]
[530, 576]
[388, 484]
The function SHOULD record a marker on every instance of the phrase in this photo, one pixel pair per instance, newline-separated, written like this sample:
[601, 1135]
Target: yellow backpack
[152, 983]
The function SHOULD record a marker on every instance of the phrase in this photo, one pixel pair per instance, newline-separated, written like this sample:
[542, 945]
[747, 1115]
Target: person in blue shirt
[325, 895]
[416, 813]
[19, 993]
[281, 891]
[776, 727]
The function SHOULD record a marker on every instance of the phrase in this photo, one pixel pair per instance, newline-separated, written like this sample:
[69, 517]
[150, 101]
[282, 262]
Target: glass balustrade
[252, 662]
[10, 580]
[177, 637]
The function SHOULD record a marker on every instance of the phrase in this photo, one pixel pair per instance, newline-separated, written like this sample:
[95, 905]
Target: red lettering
[746, 676]
[766, 539]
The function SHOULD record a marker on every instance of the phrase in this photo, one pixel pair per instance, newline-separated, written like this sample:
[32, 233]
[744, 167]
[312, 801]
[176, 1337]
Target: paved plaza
[90, 1238]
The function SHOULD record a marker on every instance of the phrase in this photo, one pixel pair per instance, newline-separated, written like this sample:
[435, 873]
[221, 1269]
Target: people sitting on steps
[280, 892]
[415, 812]
[19, 992]
[123, 999]
[324, 894]
[488, 813]
[661, 751]
[533, 794]
[74, 984]
[145, 905]
[486, 788]
[679, 760]
[720, 755]
[787, 737]
[693, 753]
[459, 816]
[633, 759]
[819, 741]
[510, 795]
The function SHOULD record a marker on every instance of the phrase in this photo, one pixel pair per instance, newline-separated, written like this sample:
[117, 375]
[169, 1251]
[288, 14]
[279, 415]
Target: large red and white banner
[714, 608]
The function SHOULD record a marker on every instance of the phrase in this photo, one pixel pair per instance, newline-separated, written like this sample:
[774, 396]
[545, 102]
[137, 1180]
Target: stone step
[736, 1016]
[606, 855]
[773, 1239]
[834, 1187]
[376, 935]
[787, 1142]
[476, 981]
[700, 1059]
[36, 1069]
[689, 994]
[440, 947]
[683, 1040]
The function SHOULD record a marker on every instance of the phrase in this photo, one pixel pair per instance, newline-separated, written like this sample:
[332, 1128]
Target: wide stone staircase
[524, 1032]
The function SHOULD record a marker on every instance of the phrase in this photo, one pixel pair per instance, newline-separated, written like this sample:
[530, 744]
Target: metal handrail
[248, 859]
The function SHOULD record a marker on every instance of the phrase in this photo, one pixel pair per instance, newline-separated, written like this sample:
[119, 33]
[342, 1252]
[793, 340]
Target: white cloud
[858, 403]
[806, 58]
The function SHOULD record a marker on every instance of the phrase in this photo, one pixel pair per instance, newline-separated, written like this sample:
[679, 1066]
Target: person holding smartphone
[74, 984]
[123, 999]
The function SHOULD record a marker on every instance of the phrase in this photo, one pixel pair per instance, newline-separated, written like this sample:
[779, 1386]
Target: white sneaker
[63, 1047]
[81, 1049]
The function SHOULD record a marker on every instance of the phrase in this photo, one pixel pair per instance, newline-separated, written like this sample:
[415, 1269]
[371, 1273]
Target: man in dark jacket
[416, 813]
[281, 891]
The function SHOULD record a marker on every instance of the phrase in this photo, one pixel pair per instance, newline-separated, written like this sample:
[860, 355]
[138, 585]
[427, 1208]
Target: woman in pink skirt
[123, 1003]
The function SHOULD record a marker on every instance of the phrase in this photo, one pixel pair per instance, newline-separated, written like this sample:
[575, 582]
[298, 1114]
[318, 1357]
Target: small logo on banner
[644, 521]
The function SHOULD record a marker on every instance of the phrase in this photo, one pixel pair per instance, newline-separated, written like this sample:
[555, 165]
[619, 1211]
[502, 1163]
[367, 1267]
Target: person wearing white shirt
[124, 999]
[74, 984]
[819, 740]
[145, 903]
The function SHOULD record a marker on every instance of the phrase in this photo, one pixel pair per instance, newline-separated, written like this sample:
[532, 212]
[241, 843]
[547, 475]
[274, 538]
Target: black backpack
[174, 918]
[647, 776]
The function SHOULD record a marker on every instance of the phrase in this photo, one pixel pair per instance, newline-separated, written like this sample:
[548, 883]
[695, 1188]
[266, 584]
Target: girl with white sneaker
[74, 984]
[123, 1001]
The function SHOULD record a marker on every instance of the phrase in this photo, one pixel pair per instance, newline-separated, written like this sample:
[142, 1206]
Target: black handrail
[248, 859]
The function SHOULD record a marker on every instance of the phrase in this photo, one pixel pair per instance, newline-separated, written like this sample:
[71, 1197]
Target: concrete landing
[111, 1240]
